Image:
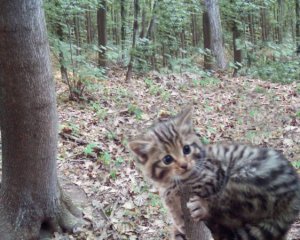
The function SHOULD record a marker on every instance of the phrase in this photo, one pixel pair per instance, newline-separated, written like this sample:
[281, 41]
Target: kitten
[240, 192]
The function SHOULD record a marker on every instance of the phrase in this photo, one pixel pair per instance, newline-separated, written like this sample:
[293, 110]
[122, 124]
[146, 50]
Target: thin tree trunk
[77, 34]
[102, 35]
[143, 26]
[89, 38]
[280, 20]
[29, 193]
[193, 230]
[207, 42]
[297, 8]
[251, 28]
[195, 40]
[212, 7]
[237, 53]
[135, 30]
[123, 27]
[152, 21]
[182, 38]
[264, 24]
[63, 69]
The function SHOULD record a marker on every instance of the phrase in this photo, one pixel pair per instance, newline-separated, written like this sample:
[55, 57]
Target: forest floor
[100, 174]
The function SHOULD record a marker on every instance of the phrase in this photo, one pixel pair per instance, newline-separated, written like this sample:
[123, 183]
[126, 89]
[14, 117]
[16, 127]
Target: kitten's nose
[184, 166]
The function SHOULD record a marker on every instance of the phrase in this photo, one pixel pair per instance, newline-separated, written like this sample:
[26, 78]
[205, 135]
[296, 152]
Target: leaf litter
[97, 170]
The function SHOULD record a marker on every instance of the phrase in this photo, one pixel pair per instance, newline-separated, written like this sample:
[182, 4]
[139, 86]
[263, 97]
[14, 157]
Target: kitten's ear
[184, 119]
[141, 149]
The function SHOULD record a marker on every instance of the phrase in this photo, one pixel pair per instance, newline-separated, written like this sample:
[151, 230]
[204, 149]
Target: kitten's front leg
[198, 208]
[172, 201]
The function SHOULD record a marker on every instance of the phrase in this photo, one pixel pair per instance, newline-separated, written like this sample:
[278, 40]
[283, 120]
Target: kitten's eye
[168, 159]
[186, 149]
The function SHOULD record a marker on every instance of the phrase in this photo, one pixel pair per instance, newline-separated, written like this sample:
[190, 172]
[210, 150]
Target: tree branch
[194, 230]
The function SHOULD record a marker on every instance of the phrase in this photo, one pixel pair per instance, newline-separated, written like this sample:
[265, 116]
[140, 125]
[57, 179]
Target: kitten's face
[169, 149]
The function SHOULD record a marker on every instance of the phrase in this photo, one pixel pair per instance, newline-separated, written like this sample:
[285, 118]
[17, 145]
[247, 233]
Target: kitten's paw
[178, 234]
[198, 208]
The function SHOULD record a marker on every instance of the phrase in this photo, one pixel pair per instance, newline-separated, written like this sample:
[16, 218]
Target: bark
[77, 34]
[183, 44]
[115, 20]
[63, 69]
[212, 7]
[280, 21]
[194, 29]
[135, 30]
[264, 24]
[194, 230]
[123, 27]
[30, 195]
[102, 35]
[151, 26]
[251, 28]
[89, 35]
[143, 25]
[237, 53]
[297, 8]
[207, 42]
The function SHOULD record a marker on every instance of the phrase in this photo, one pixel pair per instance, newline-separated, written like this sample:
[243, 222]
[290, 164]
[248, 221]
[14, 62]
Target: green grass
[296, 164]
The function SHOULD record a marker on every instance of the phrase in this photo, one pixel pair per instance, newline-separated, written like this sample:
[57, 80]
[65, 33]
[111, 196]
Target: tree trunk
[135, 30]
[280, 20]
[297, 8]
[77, 34]
[151, 26]
[207, 42]
[102, 35]
[63, 69]
[193, 230]
[194, 30]
[29, 194]
[264, 24]
[123, 27]
[88, 17]
[212, 7]
[237, 53]
[143, 25]
[251, 29]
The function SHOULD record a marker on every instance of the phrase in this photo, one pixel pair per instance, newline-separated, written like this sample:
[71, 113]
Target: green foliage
[101, 112]
[136, 111]
[70, 51]
[155, 200]
[89, 149]
[157, 90]
[206, 81]
[105, 158]
[276, 63]
[171, 46]
[296, 164]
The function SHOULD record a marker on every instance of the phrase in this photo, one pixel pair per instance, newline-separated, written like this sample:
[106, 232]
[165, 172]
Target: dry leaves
[93, 136]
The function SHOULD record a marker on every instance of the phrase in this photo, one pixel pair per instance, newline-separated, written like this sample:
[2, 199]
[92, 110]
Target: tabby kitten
[240, 192]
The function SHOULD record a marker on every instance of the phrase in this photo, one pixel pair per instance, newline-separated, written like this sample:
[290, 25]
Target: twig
[109, 223]
[73, 138]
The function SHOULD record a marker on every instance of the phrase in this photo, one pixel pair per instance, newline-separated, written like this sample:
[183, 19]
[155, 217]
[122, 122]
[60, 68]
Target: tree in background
[30, 195]
[102, 35]
[214, 18]
[297, 8]
[134, 35]
[173, 36]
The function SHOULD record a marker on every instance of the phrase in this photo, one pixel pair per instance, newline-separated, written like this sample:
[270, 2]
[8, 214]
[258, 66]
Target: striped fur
[241, 192]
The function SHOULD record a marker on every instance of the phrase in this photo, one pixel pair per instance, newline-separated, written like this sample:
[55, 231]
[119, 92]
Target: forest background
[119, 64]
